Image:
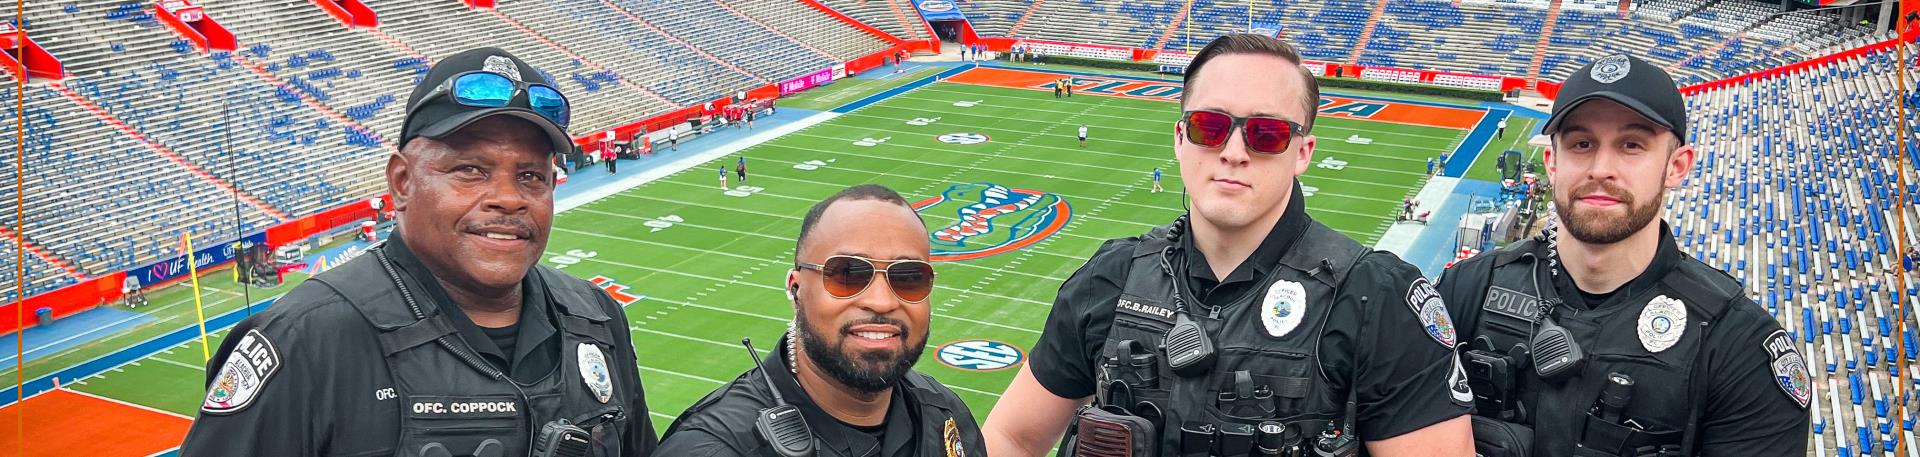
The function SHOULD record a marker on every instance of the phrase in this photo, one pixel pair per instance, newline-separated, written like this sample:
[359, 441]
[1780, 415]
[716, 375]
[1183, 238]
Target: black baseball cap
[440, 117]
[1642, 87]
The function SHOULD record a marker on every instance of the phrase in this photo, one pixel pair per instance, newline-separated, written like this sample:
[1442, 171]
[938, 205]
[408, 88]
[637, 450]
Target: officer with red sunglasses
[1245, 327]
[841, 381]
[449, 339]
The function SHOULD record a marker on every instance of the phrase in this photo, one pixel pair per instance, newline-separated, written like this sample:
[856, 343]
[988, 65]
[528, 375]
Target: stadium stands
[148, 137]
[800, 23]
[1704, 40]
[896, 17]
[1792, 195]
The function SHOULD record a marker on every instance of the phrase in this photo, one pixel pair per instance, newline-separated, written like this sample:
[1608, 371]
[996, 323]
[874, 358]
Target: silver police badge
[1283, 308]
[1611, 68]
[593, 370]
[1662, 323]
[503, 66]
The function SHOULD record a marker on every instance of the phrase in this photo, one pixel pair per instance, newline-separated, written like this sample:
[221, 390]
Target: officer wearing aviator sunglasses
[840, 383]
[449, 339]
[1244, 327]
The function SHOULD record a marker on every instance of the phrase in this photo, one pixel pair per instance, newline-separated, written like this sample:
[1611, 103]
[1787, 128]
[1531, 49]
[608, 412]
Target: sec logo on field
[962, 138]
[980, 355]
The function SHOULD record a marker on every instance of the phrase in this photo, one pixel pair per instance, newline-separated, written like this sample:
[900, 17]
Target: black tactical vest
[1675, 315]
[943, 427]
[1258, 377]
[454, 400]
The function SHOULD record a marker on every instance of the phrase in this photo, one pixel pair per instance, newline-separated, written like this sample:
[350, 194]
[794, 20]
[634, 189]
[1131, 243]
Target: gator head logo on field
[974, 220]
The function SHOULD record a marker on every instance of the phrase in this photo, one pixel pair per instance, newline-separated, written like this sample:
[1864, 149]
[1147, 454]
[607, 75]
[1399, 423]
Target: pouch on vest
[1109, 431]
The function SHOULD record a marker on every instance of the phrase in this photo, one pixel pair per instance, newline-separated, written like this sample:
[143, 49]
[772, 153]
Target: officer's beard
[1592, 228]
[868, 372]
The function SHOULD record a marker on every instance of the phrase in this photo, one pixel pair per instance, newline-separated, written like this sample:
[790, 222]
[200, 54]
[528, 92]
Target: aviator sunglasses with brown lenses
[846, 276]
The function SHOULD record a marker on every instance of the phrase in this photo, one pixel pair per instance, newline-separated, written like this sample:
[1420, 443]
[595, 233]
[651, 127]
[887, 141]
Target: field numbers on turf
[572, 256]
[741, 191]
[922, 120]
[871, 141]
[663, 223]
[1308, 190]
[968, 104]
[1333, 164]
[810, 165]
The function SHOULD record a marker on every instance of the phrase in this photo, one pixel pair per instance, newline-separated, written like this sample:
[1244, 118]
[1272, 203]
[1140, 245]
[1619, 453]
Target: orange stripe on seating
[61, 423]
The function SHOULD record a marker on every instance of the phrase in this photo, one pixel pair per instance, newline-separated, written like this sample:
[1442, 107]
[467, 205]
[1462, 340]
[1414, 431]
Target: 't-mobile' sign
[806, 82]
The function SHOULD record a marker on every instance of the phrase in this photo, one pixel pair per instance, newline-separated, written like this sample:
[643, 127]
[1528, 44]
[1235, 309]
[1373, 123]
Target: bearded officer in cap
[448, 340]
[1602, 338]
[841, 383]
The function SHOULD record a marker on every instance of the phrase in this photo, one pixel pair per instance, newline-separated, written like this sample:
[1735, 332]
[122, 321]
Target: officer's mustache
[1604, 188]
[517, 226]
[900, 327]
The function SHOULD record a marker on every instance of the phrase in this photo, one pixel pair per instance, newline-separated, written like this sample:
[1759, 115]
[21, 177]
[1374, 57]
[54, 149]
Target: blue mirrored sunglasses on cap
[485, 89]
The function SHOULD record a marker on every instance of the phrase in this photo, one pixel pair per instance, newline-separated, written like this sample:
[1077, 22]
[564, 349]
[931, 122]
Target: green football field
[708, 266]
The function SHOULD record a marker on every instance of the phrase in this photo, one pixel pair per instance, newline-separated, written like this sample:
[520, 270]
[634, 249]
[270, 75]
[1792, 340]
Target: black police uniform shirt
[924, 419]
[1751, 389]
[332, 393]
[1375, 345]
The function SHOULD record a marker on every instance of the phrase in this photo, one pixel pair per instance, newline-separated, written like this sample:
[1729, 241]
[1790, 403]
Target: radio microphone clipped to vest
[781, 425]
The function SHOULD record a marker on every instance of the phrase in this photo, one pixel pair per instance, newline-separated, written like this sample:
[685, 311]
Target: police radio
[781, 425]
[560, 439]
[1190, 352]
[1555, 353]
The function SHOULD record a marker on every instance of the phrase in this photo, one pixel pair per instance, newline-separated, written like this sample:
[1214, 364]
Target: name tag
[485, 407]
[1512, 303]
[1139, 307]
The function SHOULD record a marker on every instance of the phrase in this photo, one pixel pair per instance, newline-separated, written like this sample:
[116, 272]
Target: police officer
[1602, 338]
[859, 288]
[447, 340]
[1245, 327]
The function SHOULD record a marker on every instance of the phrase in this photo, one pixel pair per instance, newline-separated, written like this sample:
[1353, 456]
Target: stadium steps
[703, 53]
[1697, 8]
[383, 36]
[1546, 34]
[1160, 44]
[44, 256]
[168, 154]
[783, 35]
[1024, 17]
[1360, 44]
[1675, 66]
[913, 33]
[809, 25]
[305, 98]
[569, 53]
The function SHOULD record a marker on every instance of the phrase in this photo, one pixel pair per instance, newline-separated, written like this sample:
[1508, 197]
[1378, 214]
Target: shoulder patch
[1789, 369]
[251, 364]
[1457, 384]
[1432, 312]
